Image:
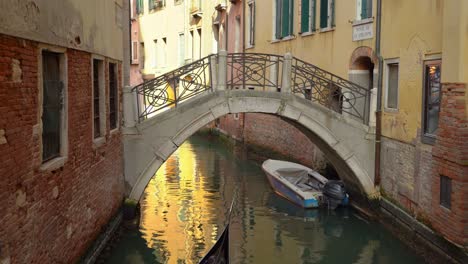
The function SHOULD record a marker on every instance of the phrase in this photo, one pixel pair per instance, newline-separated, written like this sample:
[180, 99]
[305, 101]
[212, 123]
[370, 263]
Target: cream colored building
[175, 32]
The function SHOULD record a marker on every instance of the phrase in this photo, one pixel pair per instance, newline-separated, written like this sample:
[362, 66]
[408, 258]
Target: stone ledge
[454, 251]
[100, 242]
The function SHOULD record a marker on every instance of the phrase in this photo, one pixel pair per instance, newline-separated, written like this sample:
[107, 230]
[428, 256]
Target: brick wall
[233, 125]
[272, 132]
[450, 155]
[51, 216]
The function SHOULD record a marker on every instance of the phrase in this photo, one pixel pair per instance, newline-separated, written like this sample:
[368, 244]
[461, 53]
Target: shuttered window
[139, 6]
[284, 18]
[251, 23]
[327, 13]
[113, 96]
[96, 98]
[445, 191]
[181, 50]
[52, 105]
[151, 5]
[308, 8]
[366, 9]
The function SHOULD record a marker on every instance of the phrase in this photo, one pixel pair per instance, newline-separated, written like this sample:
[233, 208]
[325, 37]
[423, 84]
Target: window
[392, 86]
[192, 45]
[113, 96]
[199, 50]
[284, 17]
[327, 14]
[135, 52]
[99, 122]
[141, 53]
[139, 7]
[151, 5]
[445, 191]
[52, 106]
[432, 96]
[308, 8]
[237, 35]
[363, 9]
[155, 53]
[251, 18]
[181, 53]
[163, 52]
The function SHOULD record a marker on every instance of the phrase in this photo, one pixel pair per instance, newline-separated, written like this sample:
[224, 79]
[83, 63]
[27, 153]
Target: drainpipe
[378, 118]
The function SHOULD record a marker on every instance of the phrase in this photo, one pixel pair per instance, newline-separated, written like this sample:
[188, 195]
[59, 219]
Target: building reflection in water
[185, 207]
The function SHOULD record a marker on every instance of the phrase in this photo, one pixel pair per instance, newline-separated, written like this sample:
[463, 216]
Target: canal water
[185, 208]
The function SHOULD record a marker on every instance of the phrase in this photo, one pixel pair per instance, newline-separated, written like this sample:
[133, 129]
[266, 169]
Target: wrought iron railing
[173, 87]
[329, 90]
[252, 70]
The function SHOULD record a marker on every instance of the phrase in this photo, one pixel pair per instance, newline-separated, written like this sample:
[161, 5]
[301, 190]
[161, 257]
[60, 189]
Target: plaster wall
[168, 22]
[330, 50]
[411, 33]
[88, 25]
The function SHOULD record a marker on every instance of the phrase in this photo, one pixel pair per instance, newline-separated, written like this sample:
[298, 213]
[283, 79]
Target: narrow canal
[185, 206]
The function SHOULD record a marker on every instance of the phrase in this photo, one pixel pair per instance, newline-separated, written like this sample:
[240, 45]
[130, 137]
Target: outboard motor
[335, 194]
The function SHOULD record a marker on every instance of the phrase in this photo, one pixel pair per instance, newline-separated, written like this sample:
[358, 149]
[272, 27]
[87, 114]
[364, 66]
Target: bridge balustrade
[255, 71]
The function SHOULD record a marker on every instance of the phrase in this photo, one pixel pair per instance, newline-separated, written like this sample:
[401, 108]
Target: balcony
[221, 5]
[196, 9]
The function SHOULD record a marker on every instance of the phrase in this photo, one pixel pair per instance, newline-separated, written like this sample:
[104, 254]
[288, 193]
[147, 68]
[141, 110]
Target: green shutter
[151, 4]
[285, 18]
[364, 9]
[323, 13]
[314, 12]
[332, 3]
[278, 19]
[291, 17]
[305, 16]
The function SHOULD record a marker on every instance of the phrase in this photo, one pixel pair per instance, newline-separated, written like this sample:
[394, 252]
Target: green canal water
[185, 207]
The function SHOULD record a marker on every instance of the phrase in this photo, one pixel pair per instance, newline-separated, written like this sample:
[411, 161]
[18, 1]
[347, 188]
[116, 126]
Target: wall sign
[363, 31]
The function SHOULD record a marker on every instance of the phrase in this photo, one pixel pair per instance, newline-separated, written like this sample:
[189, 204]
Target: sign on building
[363, 31]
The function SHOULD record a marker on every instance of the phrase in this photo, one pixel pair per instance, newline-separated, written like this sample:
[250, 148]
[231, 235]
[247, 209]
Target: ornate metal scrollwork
[329, 90]
[167, 90]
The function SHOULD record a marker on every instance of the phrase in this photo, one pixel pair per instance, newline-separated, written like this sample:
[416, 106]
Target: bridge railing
[329, 90]
[268, 72]
[171, 88]
[254, 70]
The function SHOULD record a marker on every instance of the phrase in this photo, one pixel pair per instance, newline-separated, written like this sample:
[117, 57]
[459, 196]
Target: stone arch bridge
[160, 114]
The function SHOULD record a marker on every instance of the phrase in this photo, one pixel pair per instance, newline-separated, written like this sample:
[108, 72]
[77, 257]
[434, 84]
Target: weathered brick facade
[51, 216]
[273, 133]
[450, 154]
[411, 172]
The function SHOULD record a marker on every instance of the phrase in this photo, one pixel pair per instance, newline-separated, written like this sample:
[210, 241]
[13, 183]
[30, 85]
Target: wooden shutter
[278, 19]
[305, 8]
[323, 13]
[285, 18]
[291, 17]
[332, 7]
[314, 12]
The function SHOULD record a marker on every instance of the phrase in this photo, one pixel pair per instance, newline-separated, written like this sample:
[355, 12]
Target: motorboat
[304, 186]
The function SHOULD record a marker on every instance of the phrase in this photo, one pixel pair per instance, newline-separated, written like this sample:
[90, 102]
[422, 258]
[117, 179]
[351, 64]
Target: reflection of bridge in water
[162, 113]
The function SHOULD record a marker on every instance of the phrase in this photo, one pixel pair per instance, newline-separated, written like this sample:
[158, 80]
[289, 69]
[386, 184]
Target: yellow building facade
[422, 58]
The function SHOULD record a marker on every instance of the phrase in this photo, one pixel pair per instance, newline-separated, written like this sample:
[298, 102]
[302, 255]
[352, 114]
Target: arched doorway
[363, 70]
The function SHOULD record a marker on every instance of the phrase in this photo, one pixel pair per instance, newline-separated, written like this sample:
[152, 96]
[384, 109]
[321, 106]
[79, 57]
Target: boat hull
[285, 191]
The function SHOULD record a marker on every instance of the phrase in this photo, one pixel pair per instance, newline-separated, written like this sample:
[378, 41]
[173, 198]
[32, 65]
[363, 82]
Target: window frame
[330, 16]
[445, 187]
[359, 7]
[59, 161]
[135, 58]
[389, 62]
[426, 137]
[312, 17]
[251, 24]
[101, 138]
[278, 24]
[116, 96]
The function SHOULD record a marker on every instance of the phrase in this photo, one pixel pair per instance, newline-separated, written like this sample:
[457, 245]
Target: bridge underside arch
[346, 142]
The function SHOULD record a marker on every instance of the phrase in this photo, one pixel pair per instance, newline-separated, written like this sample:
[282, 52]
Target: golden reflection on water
[173, 216]
[185, 205]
